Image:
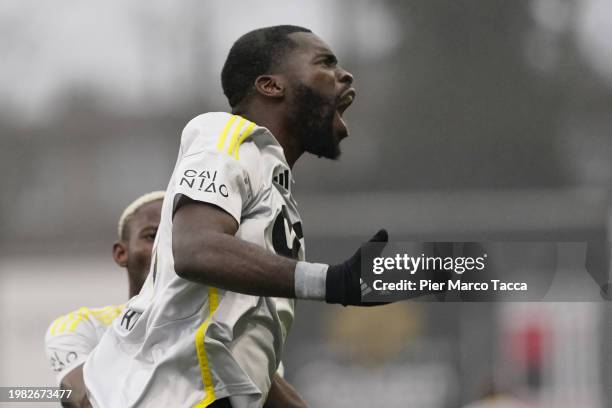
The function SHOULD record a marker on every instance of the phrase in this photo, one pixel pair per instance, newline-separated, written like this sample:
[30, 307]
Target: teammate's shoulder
[82, 318]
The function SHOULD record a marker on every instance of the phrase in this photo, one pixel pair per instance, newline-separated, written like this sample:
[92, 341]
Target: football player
[209, 326]
[72, 337]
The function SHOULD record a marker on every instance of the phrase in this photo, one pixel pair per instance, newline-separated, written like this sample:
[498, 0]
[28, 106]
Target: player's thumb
[380, 236]
[378, 242]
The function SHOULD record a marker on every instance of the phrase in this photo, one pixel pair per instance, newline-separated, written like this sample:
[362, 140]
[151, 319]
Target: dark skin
[74, 381]
[204, 245]
[133, 251]
[312, 64]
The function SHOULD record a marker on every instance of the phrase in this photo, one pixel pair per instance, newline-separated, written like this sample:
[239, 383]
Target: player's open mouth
[346, 99]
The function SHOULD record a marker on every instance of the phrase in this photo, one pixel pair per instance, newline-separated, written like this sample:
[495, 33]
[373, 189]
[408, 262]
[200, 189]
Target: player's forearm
[283, 395]
[74, 381]
[224, 261]
[206, 251]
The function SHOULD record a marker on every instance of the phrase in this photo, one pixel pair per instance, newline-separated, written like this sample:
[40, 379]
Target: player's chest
[275, 219]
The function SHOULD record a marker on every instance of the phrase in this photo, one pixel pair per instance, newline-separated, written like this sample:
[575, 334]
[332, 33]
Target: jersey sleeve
[70, 338]
[209, 169]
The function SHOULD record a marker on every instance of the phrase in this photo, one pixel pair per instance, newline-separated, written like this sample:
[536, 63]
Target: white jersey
[72, 337]
[184, 344]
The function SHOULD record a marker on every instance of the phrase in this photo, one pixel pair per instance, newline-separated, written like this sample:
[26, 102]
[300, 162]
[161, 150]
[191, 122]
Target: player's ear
[271, 86]
[120, 253]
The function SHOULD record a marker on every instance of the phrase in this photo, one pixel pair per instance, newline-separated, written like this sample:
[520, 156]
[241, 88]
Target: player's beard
[313, 117]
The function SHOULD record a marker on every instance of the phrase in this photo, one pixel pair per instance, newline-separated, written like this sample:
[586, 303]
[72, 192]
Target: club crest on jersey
[287, 237]
[59, 362]
[203, 180]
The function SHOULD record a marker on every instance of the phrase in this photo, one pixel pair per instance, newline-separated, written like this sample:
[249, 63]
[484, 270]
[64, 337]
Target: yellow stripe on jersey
[107, 314]
[207, 380]
[56, 324]
[247, 132]
[235, 134]
[69, 322]
[225, 131]
[62, 327]
[80, 314]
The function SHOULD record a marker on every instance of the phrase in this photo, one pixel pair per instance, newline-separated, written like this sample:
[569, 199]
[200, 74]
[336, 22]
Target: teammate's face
[138, 244]
[319, 92]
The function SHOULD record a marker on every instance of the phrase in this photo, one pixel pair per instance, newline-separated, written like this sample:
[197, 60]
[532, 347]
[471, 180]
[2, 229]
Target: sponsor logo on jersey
[59, 362]
[282, 179]
[129, 319]
[203, 180]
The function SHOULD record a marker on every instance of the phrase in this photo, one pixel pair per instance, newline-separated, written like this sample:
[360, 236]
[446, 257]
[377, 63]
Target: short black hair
[253, 55]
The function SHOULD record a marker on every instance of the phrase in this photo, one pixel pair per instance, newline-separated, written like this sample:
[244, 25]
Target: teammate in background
[209, 326]
[72, 337]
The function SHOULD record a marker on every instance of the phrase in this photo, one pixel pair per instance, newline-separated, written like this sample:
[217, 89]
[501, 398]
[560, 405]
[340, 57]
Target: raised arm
[206, 251]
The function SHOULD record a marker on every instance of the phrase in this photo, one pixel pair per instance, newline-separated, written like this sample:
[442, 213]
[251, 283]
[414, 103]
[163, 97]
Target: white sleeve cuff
[310, 280]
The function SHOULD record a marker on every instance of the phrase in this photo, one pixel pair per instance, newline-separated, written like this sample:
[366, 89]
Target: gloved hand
[344, 285]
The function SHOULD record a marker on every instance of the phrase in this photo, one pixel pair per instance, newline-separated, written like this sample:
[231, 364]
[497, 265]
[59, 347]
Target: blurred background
[489, 120]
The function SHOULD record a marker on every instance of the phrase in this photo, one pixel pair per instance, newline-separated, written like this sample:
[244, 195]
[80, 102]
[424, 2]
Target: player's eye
[150, 235]
[329, 60]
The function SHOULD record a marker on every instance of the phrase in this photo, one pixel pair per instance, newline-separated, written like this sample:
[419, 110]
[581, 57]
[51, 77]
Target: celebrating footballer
[209, 326]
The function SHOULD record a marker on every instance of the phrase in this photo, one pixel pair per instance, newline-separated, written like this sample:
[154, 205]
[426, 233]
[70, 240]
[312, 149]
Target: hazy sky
[139, 53]
[146, 55]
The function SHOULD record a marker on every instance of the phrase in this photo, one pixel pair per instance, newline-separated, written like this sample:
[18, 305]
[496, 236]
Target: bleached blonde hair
[134, 206]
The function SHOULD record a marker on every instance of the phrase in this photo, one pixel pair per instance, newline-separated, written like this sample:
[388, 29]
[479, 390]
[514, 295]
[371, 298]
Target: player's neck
[133, 286]
[282, 132]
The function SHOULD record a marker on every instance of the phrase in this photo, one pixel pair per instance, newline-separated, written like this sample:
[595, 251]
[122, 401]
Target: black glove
[343, 283]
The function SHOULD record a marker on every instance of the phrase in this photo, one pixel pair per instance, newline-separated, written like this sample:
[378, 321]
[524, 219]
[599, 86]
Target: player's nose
[344, 76]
